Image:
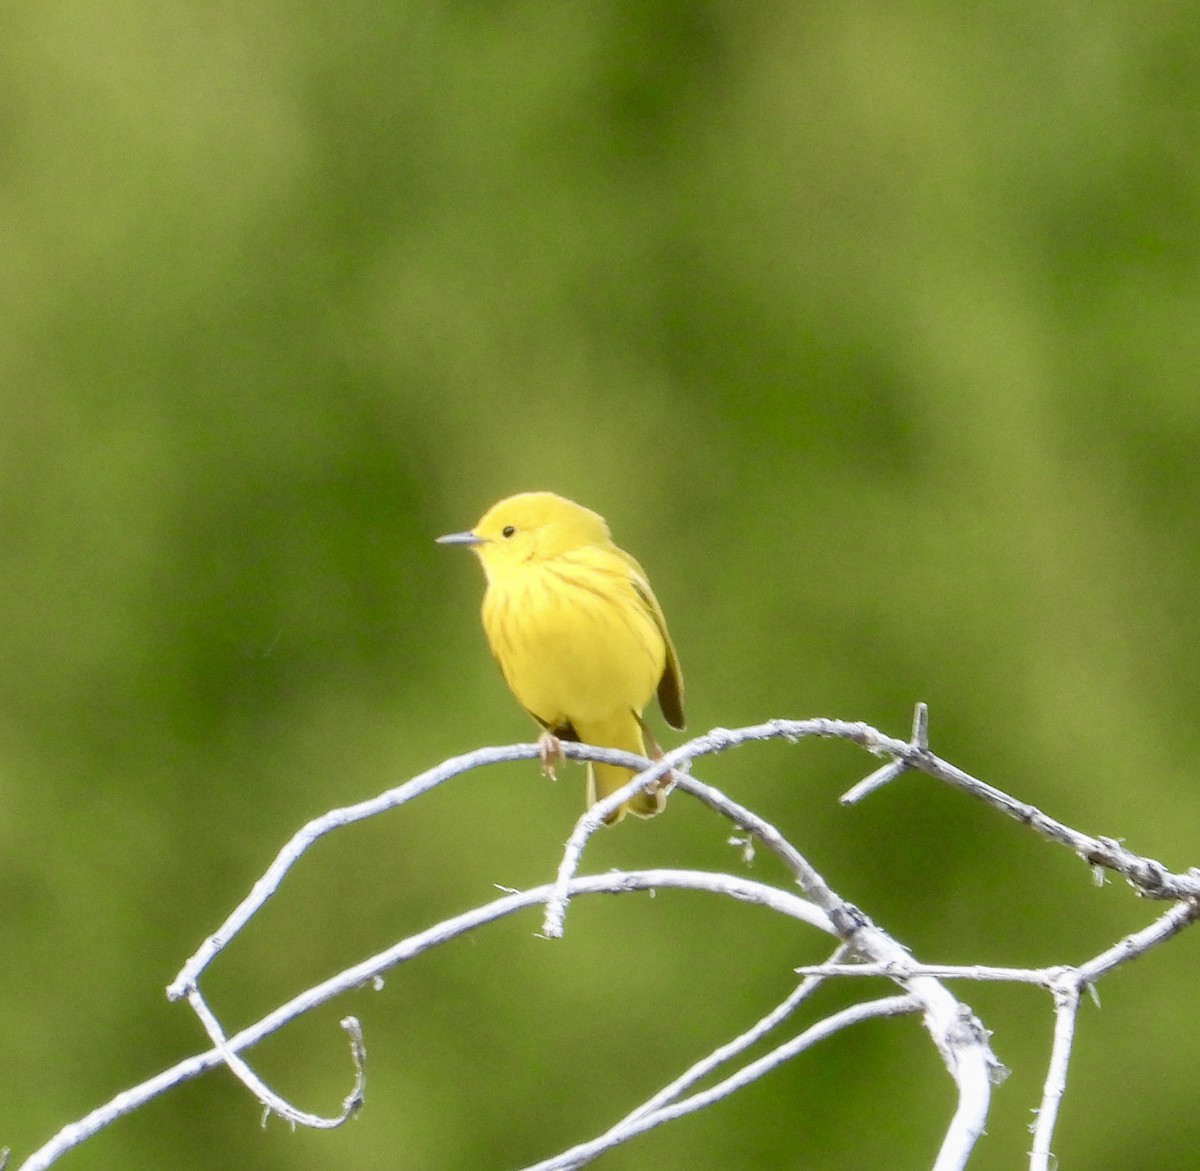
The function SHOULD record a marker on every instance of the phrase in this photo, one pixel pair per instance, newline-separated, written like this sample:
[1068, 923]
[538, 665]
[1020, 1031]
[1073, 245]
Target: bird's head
[531, 526]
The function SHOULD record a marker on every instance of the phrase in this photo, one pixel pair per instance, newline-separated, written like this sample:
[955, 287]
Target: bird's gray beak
[460, 539]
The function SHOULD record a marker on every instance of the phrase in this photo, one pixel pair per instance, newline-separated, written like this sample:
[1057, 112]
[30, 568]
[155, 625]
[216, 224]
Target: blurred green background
[873, 330]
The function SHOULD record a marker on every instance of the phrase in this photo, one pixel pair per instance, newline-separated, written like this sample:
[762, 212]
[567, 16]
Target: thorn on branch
[880, 777]
[920, 727]
[895, 768]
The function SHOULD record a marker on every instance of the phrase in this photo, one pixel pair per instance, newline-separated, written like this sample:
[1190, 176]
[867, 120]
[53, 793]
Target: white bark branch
[863, 949]
[646, 1118]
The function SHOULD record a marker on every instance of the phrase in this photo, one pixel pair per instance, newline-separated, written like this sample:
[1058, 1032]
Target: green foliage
[872, 330]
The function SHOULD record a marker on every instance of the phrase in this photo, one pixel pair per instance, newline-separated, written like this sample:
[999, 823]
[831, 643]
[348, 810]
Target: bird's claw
[550, 753]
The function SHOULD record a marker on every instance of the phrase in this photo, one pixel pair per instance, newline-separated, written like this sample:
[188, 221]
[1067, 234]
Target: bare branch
[937, 971]
[959, 1037]
[806, 876]
[1167, 925]
[725, 1053]
[1151, 878]
[272, 1102]
[863, 948]
[1066, 1007]
[643, 1119]
[365, 972]
[307, 835]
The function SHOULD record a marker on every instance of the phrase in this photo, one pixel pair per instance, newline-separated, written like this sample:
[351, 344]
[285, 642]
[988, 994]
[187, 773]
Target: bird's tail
[625, 732]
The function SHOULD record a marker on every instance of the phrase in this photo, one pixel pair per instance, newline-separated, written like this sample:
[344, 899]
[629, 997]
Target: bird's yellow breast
[573, 637]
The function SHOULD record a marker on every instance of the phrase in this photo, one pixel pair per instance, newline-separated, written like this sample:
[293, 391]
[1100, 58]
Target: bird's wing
[670, 686]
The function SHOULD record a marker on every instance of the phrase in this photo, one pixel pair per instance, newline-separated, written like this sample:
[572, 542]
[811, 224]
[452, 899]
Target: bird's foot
[550, 753]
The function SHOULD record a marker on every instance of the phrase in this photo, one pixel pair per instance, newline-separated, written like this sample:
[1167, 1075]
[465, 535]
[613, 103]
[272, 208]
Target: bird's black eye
[507, 531]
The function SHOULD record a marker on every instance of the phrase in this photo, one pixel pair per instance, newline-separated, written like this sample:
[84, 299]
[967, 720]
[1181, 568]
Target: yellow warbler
[577, 631]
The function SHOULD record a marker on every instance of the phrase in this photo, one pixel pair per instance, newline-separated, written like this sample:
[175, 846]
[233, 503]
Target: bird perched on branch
[579, 636]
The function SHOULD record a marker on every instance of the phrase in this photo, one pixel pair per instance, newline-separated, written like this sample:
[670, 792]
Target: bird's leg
[550, 752]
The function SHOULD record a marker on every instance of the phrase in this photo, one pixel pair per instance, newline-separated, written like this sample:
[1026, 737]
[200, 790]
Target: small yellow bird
[579, 636]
